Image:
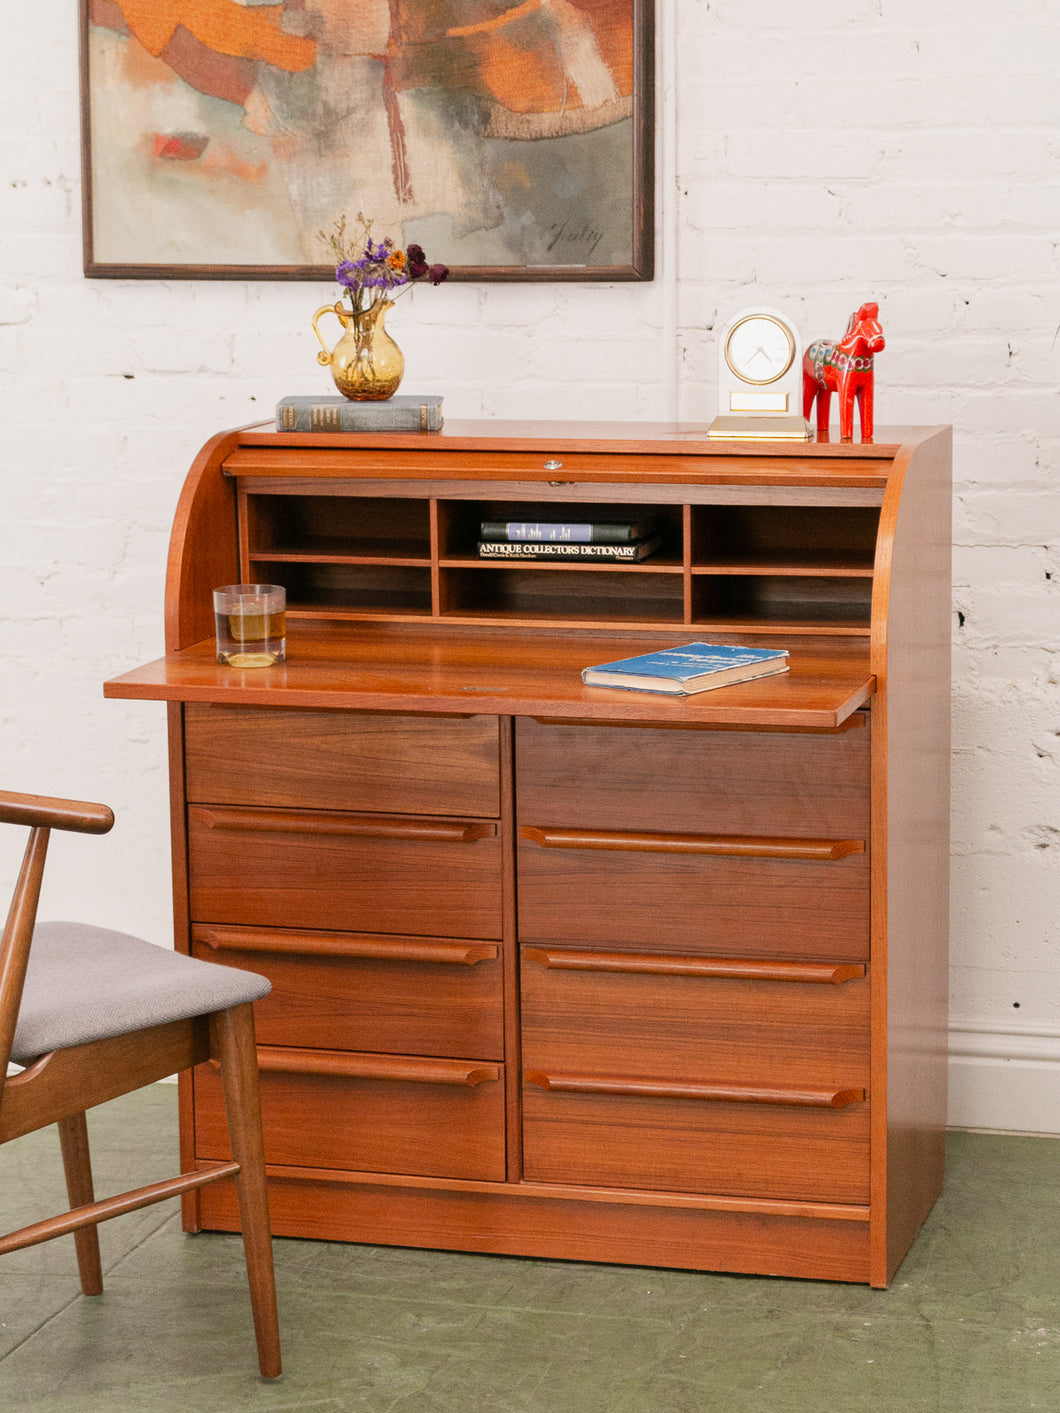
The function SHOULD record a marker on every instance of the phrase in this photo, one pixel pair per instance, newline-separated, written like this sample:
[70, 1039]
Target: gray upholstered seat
[86, 983]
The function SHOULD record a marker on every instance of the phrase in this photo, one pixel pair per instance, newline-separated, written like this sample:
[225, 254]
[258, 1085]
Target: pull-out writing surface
[384, 667]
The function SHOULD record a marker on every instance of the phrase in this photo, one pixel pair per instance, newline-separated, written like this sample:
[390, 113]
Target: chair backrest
[40, 815]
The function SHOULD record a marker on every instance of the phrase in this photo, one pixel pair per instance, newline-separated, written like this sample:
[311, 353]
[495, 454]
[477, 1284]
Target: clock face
[759, 349]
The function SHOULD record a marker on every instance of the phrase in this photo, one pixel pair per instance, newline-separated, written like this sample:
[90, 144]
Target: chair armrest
[39, 811]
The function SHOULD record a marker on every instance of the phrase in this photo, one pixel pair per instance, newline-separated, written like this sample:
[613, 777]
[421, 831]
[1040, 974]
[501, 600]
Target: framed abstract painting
[511, 138]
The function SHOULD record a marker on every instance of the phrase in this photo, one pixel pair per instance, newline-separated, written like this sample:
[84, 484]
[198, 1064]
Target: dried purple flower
[369, 270]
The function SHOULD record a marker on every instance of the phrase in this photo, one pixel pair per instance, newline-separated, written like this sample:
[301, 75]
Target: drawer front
[680, 1144]
[344, 872]
[368, 1113]
[662, 1072]
[619, 889]
[342, 760]
[355, 991]
[766, 1023]
[720, 782]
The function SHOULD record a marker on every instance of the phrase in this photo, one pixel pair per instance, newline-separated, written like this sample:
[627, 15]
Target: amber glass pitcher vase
[366, 363]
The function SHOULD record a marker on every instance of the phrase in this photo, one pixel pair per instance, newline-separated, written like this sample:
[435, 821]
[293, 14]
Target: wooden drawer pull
[436, 831]
[736, 968]
[741, 846]
[331, 944]
[719, 1093]
[849, 723]
[341, 1064]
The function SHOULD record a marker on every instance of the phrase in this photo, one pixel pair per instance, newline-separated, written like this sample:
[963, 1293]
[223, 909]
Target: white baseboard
[1001, 1079]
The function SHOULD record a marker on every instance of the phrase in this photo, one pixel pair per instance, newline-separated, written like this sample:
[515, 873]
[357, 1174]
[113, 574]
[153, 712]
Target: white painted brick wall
[810, 157]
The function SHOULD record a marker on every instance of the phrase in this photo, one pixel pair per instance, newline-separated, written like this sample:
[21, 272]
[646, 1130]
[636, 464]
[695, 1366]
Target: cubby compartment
[785, 539]
[296, 528]
[744, 602]
[629, 596]
[460, 522]
[349, 590]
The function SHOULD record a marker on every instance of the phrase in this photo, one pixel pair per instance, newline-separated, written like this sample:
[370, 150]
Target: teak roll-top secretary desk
[566, 971]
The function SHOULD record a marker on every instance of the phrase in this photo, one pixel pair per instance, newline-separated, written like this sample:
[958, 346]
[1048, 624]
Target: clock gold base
[761, 429]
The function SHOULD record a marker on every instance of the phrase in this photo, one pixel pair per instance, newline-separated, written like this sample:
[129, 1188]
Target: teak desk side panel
[203, 547]
[203, 554]
[910, 841]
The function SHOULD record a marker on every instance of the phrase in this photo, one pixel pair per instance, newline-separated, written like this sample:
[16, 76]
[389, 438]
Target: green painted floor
[971, 1324]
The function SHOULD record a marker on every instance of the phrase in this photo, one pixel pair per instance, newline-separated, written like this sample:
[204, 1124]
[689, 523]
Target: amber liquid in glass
[251, 639]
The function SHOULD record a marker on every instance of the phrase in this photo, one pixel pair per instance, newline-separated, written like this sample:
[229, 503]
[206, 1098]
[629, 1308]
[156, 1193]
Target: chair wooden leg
[77, 1164]
[232, 1036]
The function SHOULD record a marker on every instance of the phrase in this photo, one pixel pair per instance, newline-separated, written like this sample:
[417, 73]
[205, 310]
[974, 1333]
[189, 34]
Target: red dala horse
[845, 368]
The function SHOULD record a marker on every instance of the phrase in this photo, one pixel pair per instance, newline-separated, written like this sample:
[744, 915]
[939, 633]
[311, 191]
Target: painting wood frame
[155, 170]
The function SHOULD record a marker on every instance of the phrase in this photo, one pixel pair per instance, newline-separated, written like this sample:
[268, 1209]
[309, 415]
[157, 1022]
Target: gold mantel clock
[760, 378]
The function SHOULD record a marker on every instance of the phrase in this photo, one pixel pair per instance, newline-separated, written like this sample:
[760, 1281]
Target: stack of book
[601, 541]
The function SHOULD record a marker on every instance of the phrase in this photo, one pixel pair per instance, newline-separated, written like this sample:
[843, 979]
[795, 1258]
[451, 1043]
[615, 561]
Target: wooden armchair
[92, 1014]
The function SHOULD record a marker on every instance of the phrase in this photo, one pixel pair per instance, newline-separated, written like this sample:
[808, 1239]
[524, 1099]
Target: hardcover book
[694, 667]
[515, 549]
[596, 532]
[402, 413]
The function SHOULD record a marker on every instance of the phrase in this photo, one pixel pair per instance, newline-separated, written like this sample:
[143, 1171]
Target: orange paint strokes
[227, 163]
[486, 26]
[522, 80]
[141, 70]
[610, 21]
[222, 25]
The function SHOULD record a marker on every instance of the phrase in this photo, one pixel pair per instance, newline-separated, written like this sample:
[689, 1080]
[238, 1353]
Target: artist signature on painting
[568, 235]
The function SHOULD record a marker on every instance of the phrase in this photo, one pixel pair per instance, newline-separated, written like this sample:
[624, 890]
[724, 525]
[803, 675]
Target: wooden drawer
[727, 895]
[342, 760]
[698, 781]
[344, 872]
[355, 991]
[677, 1141]
[719, 1075]
[368, 1113]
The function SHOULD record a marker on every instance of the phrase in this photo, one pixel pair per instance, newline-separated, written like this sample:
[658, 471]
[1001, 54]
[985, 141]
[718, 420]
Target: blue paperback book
[694, 667]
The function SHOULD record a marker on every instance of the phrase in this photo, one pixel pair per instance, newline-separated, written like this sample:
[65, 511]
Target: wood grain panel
[684, 903]
[373, 1124]
[558, 1224]
[355, 991]
[203, 546]
[275, 869]
[911, 825]
[585, 776]
[696, 1083]
[689, 1145]
[768, 1035]
[410, 667]
[343, 760]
